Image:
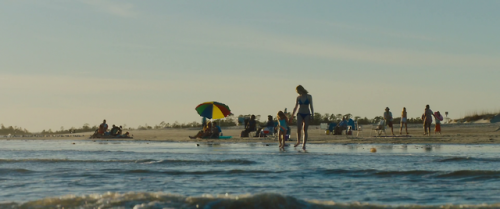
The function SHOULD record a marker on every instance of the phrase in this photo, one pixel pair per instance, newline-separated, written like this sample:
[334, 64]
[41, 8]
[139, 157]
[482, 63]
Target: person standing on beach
[304, 115]
[404, 121]
[388, 119]
[427, 118]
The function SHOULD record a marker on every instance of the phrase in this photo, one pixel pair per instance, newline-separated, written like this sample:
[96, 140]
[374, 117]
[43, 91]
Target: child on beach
[438, 117]
[282, 128]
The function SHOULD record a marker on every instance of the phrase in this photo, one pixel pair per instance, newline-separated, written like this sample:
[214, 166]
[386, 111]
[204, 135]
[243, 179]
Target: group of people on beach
[303, 108]
[210, 130]
[426, 118]
[102, 131]
[305, 113]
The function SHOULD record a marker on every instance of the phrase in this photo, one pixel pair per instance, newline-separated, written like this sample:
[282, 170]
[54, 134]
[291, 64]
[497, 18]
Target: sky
[71, 62]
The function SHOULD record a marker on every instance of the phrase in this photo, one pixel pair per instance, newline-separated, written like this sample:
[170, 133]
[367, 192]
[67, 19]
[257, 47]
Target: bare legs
[401, 128]
[198, 135]
[427, 125]
[302, 125]
[281, 138]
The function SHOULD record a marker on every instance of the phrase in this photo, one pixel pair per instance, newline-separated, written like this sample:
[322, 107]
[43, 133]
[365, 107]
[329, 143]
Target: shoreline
[452, 134]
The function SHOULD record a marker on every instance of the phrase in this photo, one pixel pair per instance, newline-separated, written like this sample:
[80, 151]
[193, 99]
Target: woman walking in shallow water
[304, 115]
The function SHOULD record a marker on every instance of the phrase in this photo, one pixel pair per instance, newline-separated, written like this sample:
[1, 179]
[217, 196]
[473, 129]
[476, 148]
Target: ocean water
[143, 174]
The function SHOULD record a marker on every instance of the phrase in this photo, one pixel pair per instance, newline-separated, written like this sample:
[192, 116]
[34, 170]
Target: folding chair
[379, 128]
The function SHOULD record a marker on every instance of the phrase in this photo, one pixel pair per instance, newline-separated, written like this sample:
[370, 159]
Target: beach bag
[244, 134]
[337, 131]
[438, 116]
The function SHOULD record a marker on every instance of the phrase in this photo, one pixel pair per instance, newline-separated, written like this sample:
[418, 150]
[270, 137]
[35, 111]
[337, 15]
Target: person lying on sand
[127, 134]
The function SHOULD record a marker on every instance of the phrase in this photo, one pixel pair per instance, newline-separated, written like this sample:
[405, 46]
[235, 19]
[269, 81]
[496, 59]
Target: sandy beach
[451, 134]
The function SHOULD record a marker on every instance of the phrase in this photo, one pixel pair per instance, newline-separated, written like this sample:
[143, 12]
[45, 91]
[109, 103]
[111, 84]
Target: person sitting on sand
[388, 119]
[102, 128]
[217, 131]
[250, 126]
[268, 129]
[114, 131]
[119, 130]
[206, 132]
[96, 134]
[203, 122]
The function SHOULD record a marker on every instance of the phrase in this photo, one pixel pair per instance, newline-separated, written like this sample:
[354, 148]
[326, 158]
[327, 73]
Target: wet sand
[451, 134]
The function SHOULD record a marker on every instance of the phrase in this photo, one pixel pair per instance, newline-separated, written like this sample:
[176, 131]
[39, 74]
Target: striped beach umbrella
[213, 110]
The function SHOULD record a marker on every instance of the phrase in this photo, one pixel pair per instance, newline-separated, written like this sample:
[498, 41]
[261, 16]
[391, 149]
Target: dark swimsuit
[303, 115]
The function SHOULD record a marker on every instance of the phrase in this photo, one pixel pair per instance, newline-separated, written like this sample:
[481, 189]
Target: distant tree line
[85, 128]
[233, 121]
[14, 130]
[327, 118]
[225, 122]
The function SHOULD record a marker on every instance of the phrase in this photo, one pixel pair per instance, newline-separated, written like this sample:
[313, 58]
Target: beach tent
[353, 125]
[495, 119]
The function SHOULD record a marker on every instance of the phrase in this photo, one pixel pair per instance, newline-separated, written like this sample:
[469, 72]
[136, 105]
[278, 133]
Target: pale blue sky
[66, 63]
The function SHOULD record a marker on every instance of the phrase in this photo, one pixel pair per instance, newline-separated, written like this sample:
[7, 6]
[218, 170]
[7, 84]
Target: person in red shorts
[102, 128]
[438, 117]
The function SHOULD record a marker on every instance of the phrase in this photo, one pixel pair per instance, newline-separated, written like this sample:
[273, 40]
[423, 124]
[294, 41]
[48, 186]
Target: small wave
[461, 159]
[476, 174]
[208, 162]
[404, 173]
[348, 172]
[14, 170]
[147, 161]
[176, 172]
[72, 161]
[459, 174]
[146, 200]
[369, 172]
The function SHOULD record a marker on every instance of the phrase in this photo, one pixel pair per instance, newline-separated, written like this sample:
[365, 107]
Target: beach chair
[353, 125]
[379, 127]
[359, 130]
[331, 127]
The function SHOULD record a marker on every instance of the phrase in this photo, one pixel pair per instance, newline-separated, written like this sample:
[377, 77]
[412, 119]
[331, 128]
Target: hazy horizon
[67, 63]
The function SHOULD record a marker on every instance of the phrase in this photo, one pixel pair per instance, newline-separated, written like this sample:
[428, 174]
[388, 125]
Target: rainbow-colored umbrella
[213, 110]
